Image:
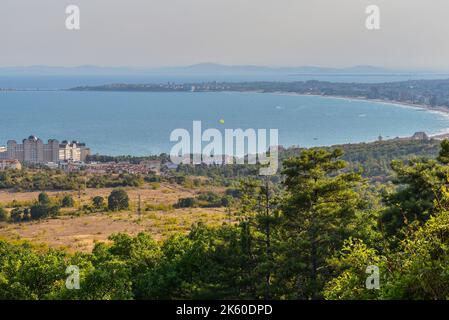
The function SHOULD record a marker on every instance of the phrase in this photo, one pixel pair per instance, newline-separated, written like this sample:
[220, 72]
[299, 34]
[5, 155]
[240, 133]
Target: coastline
[440, 133]
[444, 111]
[437, 109]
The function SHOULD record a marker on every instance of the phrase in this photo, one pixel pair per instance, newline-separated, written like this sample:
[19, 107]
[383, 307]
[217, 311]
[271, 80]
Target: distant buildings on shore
[143, 167]
[69, 156]
[34, 150]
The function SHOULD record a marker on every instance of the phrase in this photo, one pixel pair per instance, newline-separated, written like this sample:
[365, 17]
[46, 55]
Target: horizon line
[217, 64]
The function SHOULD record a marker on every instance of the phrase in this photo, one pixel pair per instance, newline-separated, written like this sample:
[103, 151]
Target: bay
[140, 123]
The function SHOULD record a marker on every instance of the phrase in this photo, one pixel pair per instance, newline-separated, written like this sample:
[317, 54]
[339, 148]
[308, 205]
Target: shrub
[209, 200]
[67, 201]
[186, 203]
[118, 200]
[98, 202]
[39, 211]
[3, 214]
[43, 198]
[16, 215]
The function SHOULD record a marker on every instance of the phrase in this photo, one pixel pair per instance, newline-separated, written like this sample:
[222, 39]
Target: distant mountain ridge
[199, 69]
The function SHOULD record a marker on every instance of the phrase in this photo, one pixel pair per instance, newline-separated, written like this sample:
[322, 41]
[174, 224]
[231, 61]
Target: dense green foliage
[50, 179]
[98, 202]
[373, 159]
[320, 211]
[131, 159]
[113, 181]
[67, 201]
[204, 200]
[42, 179]
[314, 236]
[43, 208]
[118, 200]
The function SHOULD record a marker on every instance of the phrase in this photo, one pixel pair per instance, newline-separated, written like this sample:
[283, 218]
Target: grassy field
[79, 232]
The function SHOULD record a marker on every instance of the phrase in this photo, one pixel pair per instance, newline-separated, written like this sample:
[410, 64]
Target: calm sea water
[140, 123]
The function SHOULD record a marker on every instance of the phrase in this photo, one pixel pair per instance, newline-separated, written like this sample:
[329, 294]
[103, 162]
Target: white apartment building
[33, 150]
[73, 151]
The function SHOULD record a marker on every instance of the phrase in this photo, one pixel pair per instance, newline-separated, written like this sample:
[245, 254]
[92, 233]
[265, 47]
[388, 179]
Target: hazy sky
[151, 33]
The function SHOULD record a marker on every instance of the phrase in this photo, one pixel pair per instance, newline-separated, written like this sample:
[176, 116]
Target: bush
[118, 200]
[67, 201]
[43, 198]
[26, 215]
[210, 200]
[16, 215]
[3, 214]
[98, 202]
[39, 211]
[186, 203]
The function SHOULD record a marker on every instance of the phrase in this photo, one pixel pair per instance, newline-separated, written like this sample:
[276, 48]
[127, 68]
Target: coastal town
[69, 156]
[421, 93]
[74, 156]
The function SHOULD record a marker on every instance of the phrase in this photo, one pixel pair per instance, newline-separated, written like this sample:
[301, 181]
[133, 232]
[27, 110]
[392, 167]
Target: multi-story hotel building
[34, 150]
[73, 151]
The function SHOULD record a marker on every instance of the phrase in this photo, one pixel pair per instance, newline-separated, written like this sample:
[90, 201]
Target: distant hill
[200, 69]
[212, 68]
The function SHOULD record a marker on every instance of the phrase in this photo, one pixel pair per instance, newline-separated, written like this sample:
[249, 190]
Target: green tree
[43, 198]
[319, 211]
[27, 274]
[351, 265]
[118, 200]
[67, 201]
[40, 211]
[419, 184]
[16, 215]
[259, 221]
[108, 280]
[186, 203]
[26, 214]
[421, 266]
[443, 155]
[417, 269]
[98, 202]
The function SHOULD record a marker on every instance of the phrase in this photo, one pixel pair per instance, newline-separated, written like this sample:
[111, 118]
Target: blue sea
[137, 123]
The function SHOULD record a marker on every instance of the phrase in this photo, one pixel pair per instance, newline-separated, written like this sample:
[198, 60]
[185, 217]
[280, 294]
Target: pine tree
[319, 210]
